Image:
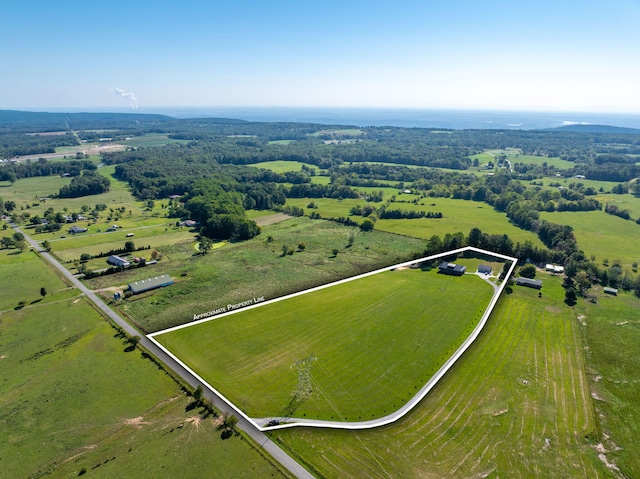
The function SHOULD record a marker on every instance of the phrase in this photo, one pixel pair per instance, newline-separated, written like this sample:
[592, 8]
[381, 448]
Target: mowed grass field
[601, 234]
[72, 399]
[516, 405]
[375, 341]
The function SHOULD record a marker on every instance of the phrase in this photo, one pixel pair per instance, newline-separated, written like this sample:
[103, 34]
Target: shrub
[528, 271]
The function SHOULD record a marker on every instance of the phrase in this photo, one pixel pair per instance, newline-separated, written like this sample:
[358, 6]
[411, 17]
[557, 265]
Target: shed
[529, 283]
[612, 291]
[484, 269]
[452, 269]
[150, 283]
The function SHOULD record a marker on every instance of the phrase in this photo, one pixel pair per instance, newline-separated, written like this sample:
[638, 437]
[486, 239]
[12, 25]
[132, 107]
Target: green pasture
[340, 132]
[22, 275]
[256, 268]
[517, 404]
[27, 191]
[282, 166]
[624, 202]
[373, 342]
[72, 400]
[566, 182]
[601, 234]
[612, 331]
[329, 207]
[155, 238]
[459, 215]
[558, 163]
[321, 180]
[149, 140]
[484, 158]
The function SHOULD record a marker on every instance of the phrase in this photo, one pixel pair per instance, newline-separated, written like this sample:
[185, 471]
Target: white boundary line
[360, 424]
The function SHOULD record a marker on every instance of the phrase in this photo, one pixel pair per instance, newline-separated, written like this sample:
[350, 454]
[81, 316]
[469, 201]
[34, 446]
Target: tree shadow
[36, 300]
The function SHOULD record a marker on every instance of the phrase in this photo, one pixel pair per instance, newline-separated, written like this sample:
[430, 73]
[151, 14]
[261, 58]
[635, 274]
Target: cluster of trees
[15, 241]
[384, 213]
[20, 144]
[614, 210]
[313, 190]
[221, 213]
[90, 183]
[27, 169]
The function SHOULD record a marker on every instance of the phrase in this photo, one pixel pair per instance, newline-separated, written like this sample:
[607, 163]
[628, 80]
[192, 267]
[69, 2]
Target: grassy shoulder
[517, 404]
[373, 343]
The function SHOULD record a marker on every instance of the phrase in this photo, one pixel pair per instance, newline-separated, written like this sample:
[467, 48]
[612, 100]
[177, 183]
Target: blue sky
[543, 55]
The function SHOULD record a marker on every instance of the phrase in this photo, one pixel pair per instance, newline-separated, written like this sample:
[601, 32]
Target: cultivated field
[370, 344]
[516, 405]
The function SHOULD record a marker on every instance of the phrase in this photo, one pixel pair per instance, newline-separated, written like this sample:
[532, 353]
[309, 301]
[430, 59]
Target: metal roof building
[150, 283]
[530, 283]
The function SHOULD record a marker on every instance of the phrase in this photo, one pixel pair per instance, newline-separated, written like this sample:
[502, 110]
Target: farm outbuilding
[484, 269]
[452, 269]
[118, 261]
[529, 283]
[552, 268]
[150, 283]
[612, 291]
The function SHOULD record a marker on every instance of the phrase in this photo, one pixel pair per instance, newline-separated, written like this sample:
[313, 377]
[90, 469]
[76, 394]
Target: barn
[150, 283]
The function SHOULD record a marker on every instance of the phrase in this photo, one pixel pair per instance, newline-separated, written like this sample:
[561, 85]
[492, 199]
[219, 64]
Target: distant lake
[455, 119]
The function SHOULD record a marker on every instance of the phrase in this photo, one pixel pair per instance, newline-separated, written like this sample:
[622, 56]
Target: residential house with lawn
[529, 283]
[451, 269]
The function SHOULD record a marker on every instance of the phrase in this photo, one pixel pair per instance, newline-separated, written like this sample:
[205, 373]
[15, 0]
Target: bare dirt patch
[136, 421]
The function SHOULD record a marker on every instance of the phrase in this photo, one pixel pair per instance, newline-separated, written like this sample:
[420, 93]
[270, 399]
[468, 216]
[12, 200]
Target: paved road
[250, 429]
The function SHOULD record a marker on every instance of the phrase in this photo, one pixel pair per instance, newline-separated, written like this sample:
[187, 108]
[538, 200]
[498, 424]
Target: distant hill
[596, 129]
[26, 121]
